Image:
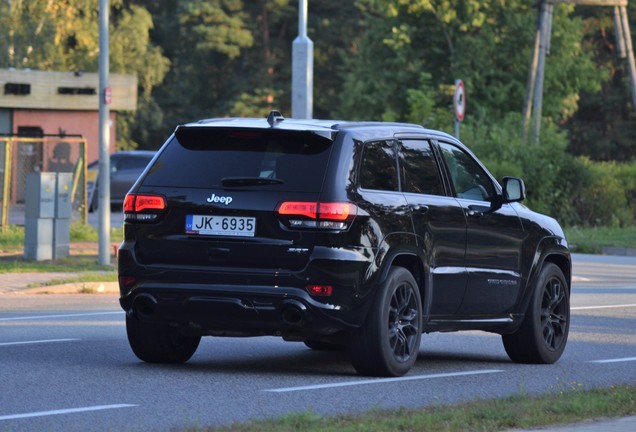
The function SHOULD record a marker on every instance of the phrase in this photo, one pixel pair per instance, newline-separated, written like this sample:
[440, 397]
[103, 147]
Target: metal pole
[631, 65]
[302, 68]
[104, 138]
[619, 34]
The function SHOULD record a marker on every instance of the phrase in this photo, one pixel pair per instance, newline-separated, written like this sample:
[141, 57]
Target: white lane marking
[38, 342]
[35, 317]
[382, 380]
[65, 411]
[617, 360]
[603, 307]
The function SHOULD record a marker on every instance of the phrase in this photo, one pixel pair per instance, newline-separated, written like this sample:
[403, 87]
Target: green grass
[75, 263]
[517, 411]
[12, 236]
[12, 252]
[592, 240]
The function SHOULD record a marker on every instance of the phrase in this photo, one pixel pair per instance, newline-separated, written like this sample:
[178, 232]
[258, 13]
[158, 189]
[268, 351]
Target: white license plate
[221, 225]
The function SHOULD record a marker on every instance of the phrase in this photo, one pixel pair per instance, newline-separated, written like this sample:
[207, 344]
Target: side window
[468, 177]
[378, 168]
[418, 169]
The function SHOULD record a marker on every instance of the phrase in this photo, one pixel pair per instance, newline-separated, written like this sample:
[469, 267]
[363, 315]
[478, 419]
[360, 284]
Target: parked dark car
[343, 235]
[125, 169]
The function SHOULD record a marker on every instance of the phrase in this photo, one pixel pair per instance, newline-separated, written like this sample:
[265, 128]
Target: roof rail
[274, 117]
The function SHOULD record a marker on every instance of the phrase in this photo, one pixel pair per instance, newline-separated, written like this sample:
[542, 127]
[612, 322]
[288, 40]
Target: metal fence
[21, 155]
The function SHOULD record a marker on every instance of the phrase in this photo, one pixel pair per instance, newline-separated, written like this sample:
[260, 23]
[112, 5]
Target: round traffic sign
[459, 100]
[108, 95]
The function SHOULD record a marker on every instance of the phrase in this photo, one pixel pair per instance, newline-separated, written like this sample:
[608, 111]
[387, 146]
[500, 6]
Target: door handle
[476, 211]
[422, 208]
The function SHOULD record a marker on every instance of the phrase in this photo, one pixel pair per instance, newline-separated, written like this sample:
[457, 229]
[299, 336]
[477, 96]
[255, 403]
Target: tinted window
[206, 157]
[468, 177]
[418, 168]
[378, 167]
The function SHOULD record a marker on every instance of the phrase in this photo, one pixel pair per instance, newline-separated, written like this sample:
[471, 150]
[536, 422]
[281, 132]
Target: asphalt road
[65, 365]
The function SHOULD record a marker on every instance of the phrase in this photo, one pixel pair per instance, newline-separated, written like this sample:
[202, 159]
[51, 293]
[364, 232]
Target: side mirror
[514, 190]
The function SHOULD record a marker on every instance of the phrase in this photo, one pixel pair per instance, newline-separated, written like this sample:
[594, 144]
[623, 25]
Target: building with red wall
[38, 104]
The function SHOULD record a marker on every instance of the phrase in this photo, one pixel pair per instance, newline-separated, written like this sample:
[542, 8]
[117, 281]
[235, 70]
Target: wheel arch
[414, 264]
[549, 250]
[563, 262]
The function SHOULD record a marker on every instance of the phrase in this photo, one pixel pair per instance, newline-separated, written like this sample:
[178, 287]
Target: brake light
[126, 281]
[320, 290]
[308, 209]
[150, 205]
[299, 214]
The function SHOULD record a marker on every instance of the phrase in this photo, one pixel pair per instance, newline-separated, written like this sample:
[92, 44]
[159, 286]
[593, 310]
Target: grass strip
[516, 411]
[592, 240]
[75, 263]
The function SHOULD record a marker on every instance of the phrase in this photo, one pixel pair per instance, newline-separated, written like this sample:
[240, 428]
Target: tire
[543, 334]
[159, 343]
[388, 342]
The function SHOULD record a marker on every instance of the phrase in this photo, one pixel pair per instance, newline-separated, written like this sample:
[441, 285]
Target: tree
[59, 36]
[485, 43]
[604, 126]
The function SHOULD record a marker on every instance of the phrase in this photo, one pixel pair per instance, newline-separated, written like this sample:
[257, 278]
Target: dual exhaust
[292, 313]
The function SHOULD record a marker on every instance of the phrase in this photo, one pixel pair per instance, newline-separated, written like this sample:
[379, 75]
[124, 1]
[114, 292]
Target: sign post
[459, 101]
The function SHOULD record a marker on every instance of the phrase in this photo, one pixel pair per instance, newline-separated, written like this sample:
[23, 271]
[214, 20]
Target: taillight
[300, 214]
[126, 281]
[320, 290]
[142, 207]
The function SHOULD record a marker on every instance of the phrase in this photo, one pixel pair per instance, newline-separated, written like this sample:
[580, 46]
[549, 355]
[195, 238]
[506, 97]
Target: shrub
[575, 190]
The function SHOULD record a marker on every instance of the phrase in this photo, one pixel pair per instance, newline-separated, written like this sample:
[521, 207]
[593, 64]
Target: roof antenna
[274, 117]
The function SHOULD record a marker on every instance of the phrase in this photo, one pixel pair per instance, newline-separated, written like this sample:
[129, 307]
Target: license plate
[220, 225]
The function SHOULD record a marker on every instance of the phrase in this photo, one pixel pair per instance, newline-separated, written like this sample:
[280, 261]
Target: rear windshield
[235, 158]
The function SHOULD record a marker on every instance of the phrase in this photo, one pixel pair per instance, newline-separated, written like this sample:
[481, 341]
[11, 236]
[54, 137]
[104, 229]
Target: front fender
[552, 249]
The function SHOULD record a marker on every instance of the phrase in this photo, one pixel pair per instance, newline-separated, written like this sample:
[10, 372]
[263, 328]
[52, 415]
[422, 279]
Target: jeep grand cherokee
[342, 235]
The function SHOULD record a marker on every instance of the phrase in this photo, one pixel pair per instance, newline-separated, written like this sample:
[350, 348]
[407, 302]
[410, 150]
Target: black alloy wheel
[389, 341]
[543, 334]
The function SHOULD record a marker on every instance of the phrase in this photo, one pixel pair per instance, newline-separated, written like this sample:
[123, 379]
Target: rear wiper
[249, 181]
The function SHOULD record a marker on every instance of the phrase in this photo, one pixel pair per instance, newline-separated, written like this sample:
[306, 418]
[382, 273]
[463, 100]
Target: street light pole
[302, 68]
[104, 137]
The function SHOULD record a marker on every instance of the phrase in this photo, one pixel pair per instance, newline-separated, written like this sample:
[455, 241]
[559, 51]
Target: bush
[574, 190]
[605, 200]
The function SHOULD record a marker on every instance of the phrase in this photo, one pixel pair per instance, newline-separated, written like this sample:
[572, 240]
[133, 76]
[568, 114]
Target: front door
[494, 237]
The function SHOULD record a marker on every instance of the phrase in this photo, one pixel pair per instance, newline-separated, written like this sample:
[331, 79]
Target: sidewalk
[19, 284]
[621, 424]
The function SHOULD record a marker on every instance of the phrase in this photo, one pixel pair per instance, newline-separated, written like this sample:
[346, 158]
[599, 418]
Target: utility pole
[104, 138]
[302, 68]
[534, 87]
[544, 46]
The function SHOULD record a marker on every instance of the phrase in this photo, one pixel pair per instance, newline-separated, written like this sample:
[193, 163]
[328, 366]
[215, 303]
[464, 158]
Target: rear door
[439, 222]
[223, 189]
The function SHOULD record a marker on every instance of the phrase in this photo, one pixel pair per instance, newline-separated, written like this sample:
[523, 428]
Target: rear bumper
[222, 310]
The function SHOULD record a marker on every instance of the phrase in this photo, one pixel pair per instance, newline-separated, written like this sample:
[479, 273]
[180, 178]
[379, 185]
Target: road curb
[71, 288]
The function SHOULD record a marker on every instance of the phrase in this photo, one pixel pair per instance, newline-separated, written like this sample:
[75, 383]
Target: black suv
[338, 234]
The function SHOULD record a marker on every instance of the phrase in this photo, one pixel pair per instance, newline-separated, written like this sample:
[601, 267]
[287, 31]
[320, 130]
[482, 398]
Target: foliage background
[373, 60]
